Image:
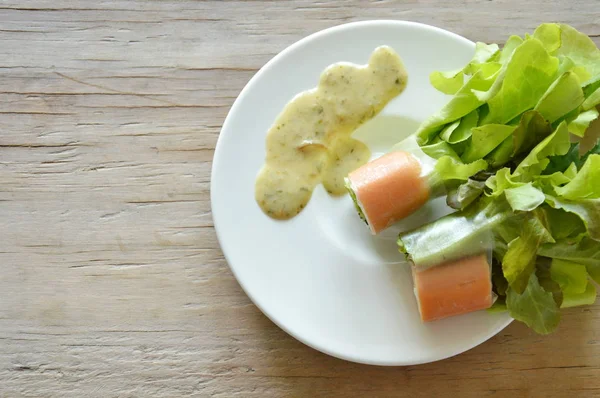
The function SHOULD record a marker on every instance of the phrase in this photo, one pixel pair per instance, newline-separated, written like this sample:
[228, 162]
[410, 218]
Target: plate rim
[216, 160]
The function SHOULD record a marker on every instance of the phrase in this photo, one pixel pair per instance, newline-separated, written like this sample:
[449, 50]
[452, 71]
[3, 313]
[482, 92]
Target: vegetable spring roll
[453, 288]
[388, 189]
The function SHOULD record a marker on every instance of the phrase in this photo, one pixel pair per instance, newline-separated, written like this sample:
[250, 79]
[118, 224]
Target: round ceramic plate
[321, 276]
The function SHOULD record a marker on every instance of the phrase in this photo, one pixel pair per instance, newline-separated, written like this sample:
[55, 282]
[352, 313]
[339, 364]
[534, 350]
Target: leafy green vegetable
[585, 251]
[544, 276]
[587, 210]
[502, 154]
[592, 100]
[529, 73]
[448, 168]
[562, 224]
[532, 129]
[439, 150]
[591, 85]
[483, 53]
[522, 189]
[447, 82]
[498, 306]
[564, 95]
[500, 182]
[572, 277]
[460, 130]
[573, 280]
[525, 197]
[579, 47]
[536, 161]
[580, 124]
[586, 184]
[484, 139]
[535, 307]
[587, 297]
[509, 48]
[549, 35]
[519, 261]
[560, 163]
[547, 183]
[465, 194]
[451, 82]
[463, 103]
[571, 158]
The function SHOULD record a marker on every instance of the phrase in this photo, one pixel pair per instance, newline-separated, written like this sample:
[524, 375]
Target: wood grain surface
[112, 283]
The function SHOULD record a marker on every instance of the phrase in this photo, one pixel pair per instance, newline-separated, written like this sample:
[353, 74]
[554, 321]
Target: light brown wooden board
[112, 282]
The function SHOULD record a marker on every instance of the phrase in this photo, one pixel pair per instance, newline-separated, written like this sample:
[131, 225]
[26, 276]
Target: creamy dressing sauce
[310, 141]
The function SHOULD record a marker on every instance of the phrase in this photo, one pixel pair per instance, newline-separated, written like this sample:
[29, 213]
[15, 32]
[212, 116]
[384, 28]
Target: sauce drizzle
[310, 141]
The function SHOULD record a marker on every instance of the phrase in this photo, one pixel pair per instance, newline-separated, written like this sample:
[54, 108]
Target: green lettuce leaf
[529, 73]
[439, 150]
[562, 162]
[572, 277]
[591, 85]
[502, 154]
[447, 82]
[460, 130]
[536, 161]
[587, 297]
[509, 48]
[580, 48]
[546, 282]
[548, 183]
[450, 82]
[580, 124]
[448, 168]
[586, 184]
[520, 259]
[484, 139]
[500, 182]
[535, 307]
[588, 211]
[561, 39]
[462, 196]
[532, 129]
[498, 306]
[585, 251]
[592, 100]
[525, 197]
[549, 35]
[591, 91]
[563, 224]
[483, 53]
[564, 95]
[566, 64]
[463, 103]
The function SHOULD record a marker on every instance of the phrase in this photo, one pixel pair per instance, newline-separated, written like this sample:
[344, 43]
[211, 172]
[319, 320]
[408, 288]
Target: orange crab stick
[388, 189]
[453, 288]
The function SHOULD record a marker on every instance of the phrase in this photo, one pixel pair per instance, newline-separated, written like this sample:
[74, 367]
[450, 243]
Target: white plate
[320, 276]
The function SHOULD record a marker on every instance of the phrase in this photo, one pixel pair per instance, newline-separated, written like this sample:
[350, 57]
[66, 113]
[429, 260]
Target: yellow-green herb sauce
[310, 141]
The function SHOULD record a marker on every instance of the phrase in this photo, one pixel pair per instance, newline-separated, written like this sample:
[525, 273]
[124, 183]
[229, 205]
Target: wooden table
[112, 282]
